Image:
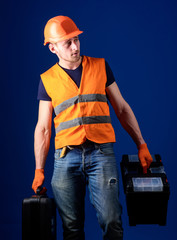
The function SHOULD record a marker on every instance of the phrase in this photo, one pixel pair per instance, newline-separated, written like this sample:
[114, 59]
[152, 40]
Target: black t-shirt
[76, 77]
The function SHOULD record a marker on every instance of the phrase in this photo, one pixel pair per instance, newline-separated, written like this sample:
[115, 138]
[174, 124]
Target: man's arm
[124, 113]
[42, 141]
[129, 123]
[43, 133]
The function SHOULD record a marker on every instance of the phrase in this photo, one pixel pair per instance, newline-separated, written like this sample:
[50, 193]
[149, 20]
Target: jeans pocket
[106, 148]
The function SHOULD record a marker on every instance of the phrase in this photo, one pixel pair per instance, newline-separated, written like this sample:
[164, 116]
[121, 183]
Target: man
[76, 89]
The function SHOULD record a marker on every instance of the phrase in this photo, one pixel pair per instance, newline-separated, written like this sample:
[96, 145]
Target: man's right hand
[38, 179]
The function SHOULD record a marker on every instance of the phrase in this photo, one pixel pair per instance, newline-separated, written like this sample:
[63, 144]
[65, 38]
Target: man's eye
[68, 43]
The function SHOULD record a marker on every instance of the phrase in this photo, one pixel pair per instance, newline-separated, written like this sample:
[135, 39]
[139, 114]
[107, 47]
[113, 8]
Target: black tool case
[38, 218]
[146, 194]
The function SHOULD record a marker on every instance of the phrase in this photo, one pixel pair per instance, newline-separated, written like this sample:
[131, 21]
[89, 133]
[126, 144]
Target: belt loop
[96, 145]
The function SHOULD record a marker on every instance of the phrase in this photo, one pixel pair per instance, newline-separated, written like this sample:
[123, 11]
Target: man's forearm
[41, 145]
[130, 124]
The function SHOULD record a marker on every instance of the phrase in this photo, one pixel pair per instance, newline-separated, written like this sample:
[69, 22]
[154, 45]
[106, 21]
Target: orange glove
[144, 157]
[38, 180]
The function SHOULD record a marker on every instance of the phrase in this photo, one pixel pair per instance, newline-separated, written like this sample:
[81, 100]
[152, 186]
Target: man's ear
[52, 48]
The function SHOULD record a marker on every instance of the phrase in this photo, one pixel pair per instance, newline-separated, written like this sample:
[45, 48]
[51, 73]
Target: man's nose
[74, 46]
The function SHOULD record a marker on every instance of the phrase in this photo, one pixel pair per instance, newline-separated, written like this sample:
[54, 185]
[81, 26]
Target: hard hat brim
[68, 36]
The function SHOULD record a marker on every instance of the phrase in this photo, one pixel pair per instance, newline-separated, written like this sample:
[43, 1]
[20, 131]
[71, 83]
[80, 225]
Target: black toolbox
[146, 194]
[38, 218]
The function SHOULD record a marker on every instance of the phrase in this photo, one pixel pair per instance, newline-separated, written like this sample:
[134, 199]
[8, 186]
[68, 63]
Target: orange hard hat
[60, 28]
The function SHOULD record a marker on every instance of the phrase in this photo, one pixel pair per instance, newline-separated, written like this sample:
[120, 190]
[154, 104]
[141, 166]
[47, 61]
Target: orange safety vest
[81, 113]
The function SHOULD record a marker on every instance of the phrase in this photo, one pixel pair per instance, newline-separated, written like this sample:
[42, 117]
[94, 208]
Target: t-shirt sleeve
[42, 94]
[110, 75]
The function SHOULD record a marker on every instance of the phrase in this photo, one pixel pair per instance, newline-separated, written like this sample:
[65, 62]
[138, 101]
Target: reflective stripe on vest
[83, 120]
[80, 98]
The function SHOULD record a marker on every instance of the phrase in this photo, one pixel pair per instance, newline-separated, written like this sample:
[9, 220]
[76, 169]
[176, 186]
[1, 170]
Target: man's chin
[76, 58]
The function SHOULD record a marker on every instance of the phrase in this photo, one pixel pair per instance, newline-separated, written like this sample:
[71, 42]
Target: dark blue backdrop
[138, 39]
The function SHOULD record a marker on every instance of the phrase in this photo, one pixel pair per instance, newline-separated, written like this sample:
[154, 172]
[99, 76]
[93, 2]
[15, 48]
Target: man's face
[68, 50]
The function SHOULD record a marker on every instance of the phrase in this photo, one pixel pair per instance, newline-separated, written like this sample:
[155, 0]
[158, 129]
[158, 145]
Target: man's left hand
[144, 157]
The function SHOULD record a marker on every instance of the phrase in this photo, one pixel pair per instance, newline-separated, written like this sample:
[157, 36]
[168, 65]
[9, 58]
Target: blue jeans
[94, 165]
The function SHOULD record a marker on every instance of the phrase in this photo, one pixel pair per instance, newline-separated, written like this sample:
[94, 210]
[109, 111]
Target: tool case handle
[41, 191]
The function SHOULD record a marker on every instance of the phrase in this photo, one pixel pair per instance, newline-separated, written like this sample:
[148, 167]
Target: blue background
[139, 41]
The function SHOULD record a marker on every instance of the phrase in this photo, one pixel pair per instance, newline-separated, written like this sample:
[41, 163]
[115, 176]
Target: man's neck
[70, 65]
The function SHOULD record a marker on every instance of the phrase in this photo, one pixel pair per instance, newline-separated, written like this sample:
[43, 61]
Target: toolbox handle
[41, 191]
